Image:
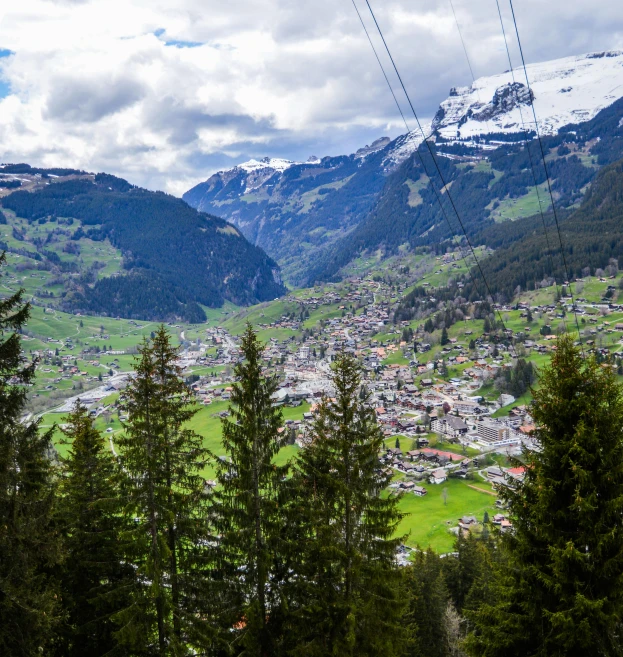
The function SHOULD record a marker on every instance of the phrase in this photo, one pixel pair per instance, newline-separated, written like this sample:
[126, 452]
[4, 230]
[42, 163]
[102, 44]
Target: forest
[591, 237]
[133, 552]
[160, 234]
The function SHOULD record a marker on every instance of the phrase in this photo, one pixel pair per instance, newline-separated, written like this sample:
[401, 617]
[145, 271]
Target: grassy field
[428, 519]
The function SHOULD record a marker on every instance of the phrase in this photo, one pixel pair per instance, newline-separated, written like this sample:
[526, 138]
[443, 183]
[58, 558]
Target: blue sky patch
[183, 44]
[5, 87]
[175, 43]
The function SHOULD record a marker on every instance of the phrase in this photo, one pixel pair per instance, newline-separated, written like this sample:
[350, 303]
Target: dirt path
[482, 490]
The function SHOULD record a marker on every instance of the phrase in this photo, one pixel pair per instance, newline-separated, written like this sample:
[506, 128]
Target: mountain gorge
[315, 218]
[293, 210]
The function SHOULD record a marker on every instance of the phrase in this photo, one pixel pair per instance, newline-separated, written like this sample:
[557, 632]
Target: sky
[165, 92]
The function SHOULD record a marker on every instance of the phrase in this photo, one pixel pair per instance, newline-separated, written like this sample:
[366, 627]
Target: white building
[492, 432]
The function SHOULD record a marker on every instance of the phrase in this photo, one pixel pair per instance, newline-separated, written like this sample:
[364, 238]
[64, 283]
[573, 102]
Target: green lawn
[428, 519]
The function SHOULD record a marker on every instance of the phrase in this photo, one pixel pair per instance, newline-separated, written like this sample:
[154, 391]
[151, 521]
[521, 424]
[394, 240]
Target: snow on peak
[407, 144]
[375, 146]
[568, 90]
[275, 163]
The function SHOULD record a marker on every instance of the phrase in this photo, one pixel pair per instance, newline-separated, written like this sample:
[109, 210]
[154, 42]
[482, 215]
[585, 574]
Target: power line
[439, 200]
[391, 89]
[549, 184]
[469, 63]
[525, 130]
[430, 150]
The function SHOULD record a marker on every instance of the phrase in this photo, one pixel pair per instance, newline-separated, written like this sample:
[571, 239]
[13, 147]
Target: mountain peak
[567, 90]
[275, 163]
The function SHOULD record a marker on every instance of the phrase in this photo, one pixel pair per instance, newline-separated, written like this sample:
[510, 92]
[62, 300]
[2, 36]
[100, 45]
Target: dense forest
[171, 246]
[592, 237]
[135, 554]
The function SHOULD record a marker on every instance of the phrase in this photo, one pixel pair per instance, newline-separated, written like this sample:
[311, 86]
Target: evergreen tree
[164, 492]
[350, 601]
[561, 592]
[247, 511]
[95, 575]
[467, 567]
[444, 337]
[29, 543]
[428, 601]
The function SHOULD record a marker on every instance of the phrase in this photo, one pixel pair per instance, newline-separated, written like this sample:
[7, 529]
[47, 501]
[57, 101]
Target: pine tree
[29, 542]
[444, 337]
[561, 592]
[165, 493]
[428, 602]
[246, 509]
[469, 565]
[95, 575]
[350, 600]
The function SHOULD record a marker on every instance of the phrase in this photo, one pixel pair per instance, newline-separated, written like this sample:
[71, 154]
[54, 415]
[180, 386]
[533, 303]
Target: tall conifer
[246, 510]
[29, 542]
[164, 492]
[560, 591]
[350, 599]
[96, 578]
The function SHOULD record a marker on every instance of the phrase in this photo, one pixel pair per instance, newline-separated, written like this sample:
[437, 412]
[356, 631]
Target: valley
[416, 377]
[374, 267]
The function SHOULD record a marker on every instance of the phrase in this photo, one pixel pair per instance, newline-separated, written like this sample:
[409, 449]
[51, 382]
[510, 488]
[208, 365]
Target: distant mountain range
[315, 217]
[174, 258]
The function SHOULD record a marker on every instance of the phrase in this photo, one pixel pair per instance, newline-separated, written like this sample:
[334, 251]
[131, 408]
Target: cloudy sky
[165, 92]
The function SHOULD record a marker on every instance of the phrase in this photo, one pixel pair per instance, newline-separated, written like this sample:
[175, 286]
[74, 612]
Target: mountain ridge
[301, 227]
[175, 259]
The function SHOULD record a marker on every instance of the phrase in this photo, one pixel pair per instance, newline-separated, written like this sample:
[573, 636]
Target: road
[89, 396]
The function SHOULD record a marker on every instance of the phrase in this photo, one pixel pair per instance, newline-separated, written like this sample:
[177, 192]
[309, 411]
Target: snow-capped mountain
[564, 91]
[293, 209]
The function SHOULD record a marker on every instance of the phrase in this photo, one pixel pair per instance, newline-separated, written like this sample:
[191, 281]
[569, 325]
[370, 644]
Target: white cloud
[163, 92]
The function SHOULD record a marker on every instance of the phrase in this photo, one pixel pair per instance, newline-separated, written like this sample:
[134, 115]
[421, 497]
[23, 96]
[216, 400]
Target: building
[466, 407]
[438, 476]
[492, 432]
[449, 425]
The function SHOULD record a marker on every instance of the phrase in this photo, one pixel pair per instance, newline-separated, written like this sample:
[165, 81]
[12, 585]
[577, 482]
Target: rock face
[569, 90]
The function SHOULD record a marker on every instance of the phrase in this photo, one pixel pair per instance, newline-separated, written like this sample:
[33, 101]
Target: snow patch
[568, 90]
[275, 163]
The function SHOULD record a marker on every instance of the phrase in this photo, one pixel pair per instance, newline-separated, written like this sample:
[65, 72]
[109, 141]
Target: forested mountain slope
[295, 209]
[486, 187]
[591, 236]
[174, 257]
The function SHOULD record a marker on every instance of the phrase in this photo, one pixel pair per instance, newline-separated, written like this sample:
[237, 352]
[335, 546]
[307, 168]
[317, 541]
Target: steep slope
[487, 186]
[293, 209]
[568, 90]
[174, 257]
[591, 236]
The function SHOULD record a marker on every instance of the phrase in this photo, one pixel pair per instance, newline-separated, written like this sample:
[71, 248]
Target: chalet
[467, 522]
[438, 476]
[420, 491]
[449, 425]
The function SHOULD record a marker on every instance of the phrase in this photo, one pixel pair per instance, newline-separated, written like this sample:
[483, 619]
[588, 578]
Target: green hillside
[114, 249]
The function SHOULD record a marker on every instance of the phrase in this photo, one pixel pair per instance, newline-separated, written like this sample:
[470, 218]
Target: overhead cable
[439, 172]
